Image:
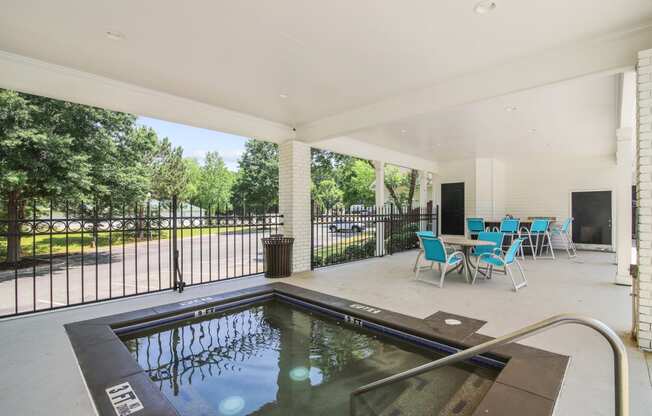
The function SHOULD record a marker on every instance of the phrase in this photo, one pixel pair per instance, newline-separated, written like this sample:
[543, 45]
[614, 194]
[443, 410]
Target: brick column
[294, 199]
[644, 189]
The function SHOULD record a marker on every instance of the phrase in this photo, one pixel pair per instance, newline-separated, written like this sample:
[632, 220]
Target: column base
[623, 280]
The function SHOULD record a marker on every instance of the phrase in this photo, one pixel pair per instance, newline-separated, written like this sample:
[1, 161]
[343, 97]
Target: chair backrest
[539, 226]
[493, 237]
[512, 251]
[475, 225]
[566, 224]
[433, 247]
[509, 225]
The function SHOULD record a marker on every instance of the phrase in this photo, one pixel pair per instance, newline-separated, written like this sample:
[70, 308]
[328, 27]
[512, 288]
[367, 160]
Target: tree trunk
[413, 185]
[15, 212]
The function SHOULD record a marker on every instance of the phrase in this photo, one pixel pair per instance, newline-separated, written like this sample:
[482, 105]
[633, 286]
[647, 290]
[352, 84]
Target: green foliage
[351, 176]
[327, 194]
[256, 183]
[170, 172]
[349, 253]
[35, 158]
[402, 238]
[357, 179]
[215, 183]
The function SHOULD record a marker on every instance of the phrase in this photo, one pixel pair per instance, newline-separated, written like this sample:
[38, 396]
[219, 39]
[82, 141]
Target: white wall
[528, 187]
[459, 171]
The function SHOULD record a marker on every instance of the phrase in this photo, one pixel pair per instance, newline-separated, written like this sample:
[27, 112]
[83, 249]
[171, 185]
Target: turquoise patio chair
[540, 230]
[492, 260]
[564, 233]
[474, 226]
[420, 253]
[434, 251]
[495, 237]
[510, 227]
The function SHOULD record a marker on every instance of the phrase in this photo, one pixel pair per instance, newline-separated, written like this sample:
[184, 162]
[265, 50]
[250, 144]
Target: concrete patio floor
[40, 375]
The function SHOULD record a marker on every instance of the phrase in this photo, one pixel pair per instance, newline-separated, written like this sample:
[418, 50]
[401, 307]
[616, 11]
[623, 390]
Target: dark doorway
[591, 217]
[452, 208]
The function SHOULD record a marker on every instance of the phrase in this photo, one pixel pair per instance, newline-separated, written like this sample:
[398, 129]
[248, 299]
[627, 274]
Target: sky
[197, 142]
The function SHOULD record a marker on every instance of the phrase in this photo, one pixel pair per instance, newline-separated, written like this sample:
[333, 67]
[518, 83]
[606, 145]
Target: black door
[591, 217]
[452, 208]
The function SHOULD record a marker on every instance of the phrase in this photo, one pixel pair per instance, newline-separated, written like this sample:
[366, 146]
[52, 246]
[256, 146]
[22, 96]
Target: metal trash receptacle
[277, 255]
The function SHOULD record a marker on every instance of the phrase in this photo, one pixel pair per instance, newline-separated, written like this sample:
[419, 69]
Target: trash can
[277, 255]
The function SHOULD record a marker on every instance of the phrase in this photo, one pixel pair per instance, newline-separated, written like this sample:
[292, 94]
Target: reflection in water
[266, 359]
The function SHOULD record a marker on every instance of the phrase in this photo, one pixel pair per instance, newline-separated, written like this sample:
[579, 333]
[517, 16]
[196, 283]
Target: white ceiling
[328, 56]
[573, 119]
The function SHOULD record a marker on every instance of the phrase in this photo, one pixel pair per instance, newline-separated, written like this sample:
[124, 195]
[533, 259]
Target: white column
[380, 183]
[423, 199]
[624, 157]
[436, 201]
[644, 188]
[625, 160]
[380, 202]
[294, 199]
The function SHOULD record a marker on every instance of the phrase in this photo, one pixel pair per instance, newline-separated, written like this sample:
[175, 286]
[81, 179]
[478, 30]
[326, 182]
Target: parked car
[341, 225]
[358, 209]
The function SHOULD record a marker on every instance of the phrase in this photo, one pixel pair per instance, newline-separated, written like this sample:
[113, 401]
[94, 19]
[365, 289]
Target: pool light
[232, 405]
[299, 373]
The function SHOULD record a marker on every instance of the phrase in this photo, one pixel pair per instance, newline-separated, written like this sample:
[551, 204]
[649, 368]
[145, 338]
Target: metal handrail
[621, 376]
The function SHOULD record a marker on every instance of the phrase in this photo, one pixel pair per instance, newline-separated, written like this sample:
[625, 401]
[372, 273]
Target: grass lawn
[40, 244]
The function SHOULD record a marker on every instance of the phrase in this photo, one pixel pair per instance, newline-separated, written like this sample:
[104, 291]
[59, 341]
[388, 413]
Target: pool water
[274, 358]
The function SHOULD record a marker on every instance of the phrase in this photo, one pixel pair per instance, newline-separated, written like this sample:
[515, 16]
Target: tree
[327, 195]
[170, 172]
[256, 184]
[54, 149]
[215, 184]
[400, 186]
[356, 181]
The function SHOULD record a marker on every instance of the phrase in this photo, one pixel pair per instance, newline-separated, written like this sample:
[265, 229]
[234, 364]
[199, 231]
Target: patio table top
[460, 240]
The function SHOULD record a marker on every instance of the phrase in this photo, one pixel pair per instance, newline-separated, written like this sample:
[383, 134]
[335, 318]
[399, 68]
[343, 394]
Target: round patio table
[466, 244]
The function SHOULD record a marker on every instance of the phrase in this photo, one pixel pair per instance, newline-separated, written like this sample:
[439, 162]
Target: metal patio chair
[434, 251]
[564, 233]
[492, 260]
[510, 227]
[474, 226]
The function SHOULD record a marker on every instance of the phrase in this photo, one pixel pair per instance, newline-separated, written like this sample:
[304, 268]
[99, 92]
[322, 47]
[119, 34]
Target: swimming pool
[282, 350]
[274, 357]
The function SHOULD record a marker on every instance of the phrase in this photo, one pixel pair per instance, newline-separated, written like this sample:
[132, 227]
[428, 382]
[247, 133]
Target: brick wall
[644, 164]
[294, 199]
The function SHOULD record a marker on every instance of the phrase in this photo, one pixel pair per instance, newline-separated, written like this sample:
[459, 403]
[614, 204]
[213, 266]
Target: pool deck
[40, 374]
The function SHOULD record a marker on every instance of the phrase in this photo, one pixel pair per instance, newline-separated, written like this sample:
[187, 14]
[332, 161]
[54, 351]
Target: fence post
[178, 276]
[312, 234]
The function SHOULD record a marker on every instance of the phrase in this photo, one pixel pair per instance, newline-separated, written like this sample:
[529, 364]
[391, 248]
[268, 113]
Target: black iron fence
[55, 255]
[341, 237]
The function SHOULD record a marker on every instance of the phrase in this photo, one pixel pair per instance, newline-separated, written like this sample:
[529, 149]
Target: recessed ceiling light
[510, 108]
[284, 96]
[484, 7]
[115, 35]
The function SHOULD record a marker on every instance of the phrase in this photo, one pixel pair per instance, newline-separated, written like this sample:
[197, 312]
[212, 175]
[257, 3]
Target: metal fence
[84, 254]
[340, 237]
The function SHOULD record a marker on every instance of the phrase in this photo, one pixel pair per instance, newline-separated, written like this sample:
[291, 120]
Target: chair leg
[416, 263]
[520, 268]
[443, 274]
[475, 274]
[552, 250]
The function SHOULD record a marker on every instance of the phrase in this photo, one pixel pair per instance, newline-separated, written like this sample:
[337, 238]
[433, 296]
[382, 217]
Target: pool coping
[530, 383]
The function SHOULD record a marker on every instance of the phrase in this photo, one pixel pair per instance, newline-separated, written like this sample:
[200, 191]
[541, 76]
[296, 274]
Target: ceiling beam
[36, 77]
[606, 55]
[363, 150]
